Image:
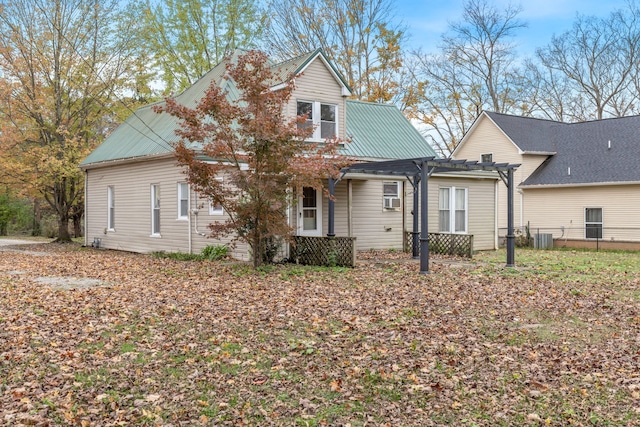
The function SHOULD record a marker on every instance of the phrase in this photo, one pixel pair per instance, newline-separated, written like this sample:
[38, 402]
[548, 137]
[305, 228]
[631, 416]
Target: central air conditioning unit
[543, 241]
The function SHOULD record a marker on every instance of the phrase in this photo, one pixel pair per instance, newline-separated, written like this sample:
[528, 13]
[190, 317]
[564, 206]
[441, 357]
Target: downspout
[195, 221]
[496, 222]
[189, 218]
[86, 221]
[404, 212]
[349, 208]
[521, 208]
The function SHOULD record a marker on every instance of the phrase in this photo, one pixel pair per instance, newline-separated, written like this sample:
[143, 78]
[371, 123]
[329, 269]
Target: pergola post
[331, 219]
[424, 222]
[415, 235]
[510, 232]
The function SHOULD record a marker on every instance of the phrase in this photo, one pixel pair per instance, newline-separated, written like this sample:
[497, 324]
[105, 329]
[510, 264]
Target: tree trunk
[63, 229]
[37, 218]
[77, 224]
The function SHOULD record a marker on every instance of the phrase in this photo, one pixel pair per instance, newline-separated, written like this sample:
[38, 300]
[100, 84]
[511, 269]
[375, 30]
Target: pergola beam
[420, 169]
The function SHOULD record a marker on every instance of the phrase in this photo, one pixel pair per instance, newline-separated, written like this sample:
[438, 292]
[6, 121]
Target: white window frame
[155, 210]
[111, 208]
[599, 224]
[216, 210]
[486, 154]
[391, 201]
[183, 196]
[316, 116]
[452, 209]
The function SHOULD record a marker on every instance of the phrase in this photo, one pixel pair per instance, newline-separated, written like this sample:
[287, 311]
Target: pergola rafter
[418, 171]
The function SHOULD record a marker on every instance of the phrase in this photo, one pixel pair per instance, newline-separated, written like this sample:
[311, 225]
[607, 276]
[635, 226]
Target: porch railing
[444, 243]
[324, 251]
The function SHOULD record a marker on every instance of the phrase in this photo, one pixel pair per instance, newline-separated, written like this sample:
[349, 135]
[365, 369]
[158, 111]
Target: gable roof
[529, 134]
[378, 131]
[295, 66]
[603, 151]
[598, 152]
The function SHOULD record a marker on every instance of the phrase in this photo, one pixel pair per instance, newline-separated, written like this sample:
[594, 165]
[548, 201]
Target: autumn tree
[259, 151]
[186, 38]
[599, 58]
[61, 62]
[359, 36]
[474, 70]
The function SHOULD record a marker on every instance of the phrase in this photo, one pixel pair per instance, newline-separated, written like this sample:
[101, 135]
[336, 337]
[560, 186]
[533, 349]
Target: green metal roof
[376, 131]
[382, 132]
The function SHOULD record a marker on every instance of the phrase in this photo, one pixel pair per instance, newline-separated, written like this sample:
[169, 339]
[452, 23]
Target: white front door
[310, 212]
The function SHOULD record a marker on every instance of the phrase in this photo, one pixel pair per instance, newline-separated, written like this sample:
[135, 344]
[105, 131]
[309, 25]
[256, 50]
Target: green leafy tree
[261, 153]
[186, 38]
[61, 63]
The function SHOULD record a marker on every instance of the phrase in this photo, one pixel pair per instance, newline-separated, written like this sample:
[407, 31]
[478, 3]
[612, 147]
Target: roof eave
[538, 153]
[576, 184]
[122, 161]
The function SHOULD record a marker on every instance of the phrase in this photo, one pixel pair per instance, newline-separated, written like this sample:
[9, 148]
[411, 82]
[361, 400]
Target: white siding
[554, 209]
[480, 211]
[132, 188]
[318, 84]
[373, 226]
[487, 138]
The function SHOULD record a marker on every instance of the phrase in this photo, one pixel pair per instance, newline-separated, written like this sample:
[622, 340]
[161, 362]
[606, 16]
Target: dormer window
[320, 115]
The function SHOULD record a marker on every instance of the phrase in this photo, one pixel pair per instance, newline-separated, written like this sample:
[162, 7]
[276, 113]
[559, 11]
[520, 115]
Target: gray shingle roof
[595, 152]
[585, 156]
[528, 133]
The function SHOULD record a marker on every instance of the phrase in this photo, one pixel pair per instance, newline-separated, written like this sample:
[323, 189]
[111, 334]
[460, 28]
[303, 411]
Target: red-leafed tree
[260, 152]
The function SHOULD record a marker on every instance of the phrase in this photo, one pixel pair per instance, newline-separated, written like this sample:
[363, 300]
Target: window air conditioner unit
[392, 203]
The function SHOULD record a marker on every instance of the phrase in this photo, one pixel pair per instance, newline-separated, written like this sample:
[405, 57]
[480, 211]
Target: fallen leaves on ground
[170, 343]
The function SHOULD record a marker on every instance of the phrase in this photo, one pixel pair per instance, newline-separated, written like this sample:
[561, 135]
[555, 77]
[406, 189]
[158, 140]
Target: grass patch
[550, 342]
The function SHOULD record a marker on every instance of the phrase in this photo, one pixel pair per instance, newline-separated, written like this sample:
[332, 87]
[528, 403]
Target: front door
[310, 212]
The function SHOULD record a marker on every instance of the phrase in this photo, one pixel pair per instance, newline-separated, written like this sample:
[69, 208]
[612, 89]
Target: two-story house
[137, 198]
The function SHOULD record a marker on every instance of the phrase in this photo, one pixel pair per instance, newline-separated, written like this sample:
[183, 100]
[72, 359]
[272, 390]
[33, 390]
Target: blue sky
[428, 19]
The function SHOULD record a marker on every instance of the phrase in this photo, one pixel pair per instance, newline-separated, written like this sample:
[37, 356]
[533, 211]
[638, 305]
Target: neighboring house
[577, 181]
[137, 198]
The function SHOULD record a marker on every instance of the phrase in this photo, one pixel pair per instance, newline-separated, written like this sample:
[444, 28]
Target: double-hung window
[183, 200]
[155, 210]
[593, 223]
[452, 210]
[391, 195]
[323, 117]
[111, 208]
[216, 208]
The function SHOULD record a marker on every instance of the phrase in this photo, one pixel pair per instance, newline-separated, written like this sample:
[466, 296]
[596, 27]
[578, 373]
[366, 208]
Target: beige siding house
[577, 182]
[137, 198]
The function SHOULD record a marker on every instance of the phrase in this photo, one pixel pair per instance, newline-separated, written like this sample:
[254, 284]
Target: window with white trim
[323, 117]
[155, 210]
[183, 200]
[486, 158]
[216, 208]
[593, 223]
[111, 208]
[391, 195]
[452, 208]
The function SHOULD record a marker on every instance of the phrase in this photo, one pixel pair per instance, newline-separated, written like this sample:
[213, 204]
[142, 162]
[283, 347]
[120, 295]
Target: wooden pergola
[418, 171]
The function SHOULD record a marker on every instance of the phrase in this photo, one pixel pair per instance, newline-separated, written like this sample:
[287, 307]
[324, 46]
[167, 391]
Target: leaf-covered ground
[555, 341]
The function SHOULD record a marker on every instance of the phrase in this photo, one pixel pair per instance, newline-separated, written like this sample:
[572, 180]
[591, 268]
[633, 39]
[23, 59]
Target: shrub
[214, 252]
